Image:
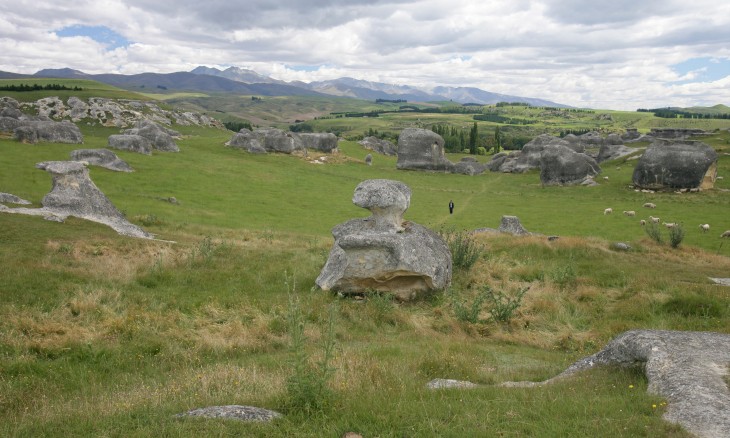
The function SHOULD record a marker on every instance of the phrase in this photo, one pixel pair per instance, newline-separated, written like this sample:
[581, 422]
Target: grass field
[102, 335]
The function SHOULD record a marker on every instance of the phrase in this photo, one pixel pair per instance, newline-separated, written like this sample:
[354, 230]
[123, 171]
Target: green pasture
[89, 89]
[104, 335]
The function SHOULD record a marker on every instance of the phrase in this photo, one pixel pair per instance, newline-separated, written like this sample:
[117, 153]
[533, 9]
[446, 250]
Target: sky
[619, 54]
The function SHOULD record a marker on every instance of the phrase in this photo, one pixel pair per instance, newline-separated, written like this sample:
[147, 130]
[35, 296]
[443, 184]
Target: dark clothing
[451, 207]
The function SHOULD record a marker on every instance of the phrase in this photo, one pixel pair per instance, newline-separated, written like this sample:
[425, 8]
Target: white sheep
[630, 213]
[606, 178]
[669, 225]
[650, 205]
[654, 219]
[642, 222]
[608, 211]
[725, 234]
[705, 227]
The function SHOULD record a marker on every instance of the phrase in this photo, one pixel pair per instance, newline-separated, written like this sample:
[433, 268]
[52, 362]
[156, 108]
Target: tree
[473, 137]
[497, 140]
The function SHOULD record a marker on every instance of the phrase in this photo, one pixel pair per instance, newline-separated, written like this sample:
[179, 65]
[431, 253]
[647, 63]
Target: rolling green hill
[103, 335]
[88, 89]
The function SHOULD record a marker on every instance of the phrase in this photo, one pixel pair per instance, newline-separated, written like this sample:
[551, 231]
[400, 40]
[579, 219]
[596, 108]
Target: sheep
[630, 213]
[608, 211]
[654, 219]
[650, 205]
[642, 222]
[606, 178]
[725, 234]
[669, 225]
[705, 227]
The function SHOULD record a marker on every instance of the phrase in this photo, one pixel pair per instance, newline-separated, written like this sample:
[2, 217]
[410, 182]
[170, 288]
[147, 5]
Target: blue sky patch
[702, 69]
[100, 34]
[304, 67]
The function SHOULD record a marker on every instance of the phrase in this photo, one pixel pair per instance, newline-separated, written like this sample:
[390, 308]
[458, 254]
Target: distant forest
[668, 113]
[36, 87]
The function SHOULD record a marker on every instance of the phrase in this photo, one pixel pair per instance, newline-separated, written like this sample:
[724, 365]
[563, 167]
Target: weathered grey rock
[382, 253]
[369, 159]
[245, 139]
[670, 165]
[676, 133]
[630, 134]
[529, 157]
[379, 145]
[9, 124]
[512, 225]
[422, 149]
[277, 140]
[319, 141]
[469, 166]
[101, 157]
[160, 138]
[687, 368]
[48, 131]
[450, 383]
[560, 165]
[12, 199]
[132, 143]
[74, 194]
[621, 246]
[613, 151]
[233, 412]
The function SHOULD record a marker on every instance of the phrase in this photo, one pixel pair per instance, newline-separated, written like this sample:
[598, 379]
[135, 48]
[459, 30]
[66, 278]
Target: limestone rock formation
[670, 165]
[687, 368]
[319, 141]
[48, 131]
[12, 199]
[101, 157]
[132, 143]
[382, 253]
[560, 165]
[234, 412]
[528, 158]
[74, 194]
[422, 149]
[246, 139]
[469, 166]
[610, 151]
[508, 225]
[160, 138]
[379, 146]
[369, 159]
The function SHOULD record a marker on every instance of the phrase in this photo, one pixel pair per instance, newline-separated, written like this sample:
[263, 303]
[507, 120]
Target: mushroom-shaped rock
[422, 149]
[561, 165]
[382, 253]
[680, 164]
[101, 157]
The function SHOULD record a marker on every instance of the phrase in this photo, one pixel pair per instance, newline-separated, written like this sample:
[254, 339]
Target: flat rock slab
[687, 368]
[450, 383]
[233, 412]
[722, 281]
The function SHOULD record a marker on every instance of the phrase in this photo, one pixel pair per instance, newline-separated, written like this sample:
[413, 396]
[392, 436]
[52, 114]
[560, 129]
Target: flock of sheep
[703, 227]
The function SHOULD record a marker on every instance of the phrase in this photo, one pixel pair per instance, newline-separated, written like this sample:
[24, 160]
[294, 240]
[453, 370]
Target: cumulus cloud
[613, 54]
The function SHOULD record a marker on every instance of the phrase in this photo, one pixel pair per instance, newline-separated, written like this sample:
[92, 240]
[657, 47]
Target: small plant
[676, 235]
[469, 312]
[465, 251]
[654, 232]
[565, 275]
[501, 306]
[307, 389]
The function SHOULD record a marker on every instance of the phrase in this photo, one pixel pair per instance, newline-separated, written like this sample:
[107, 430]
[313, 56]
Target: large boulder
[101, 157]
[469, 166]
[277, 140]
[383, 253]
[132, 143]
[33, 131]
[319, 141]
[422, 149]
[682, 164]
[246, 139]
[560, 165]
[528, 158]
[379, 145]
[160, 138]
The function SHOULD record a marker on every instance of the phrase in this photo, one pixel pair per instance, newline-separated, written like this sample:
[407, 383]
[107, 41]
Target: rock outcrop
[687, 368]
[101, 157]
[383, 253]
[131, 143]
[32, 131]
[159, 137]
[263, 140]
[613, 152]
[508, 225]
[378, 145]
[319, 141]
[8, 198]
[529, 157]
[74, 194]
[671, 165]
[560, 165]
[423, 149]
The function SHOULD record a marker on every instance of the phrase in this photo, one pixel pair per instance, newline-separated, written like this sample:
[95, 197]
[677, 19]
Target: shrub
[501, 306]
[654, 232]
[676, 235]
[465, 251]
[565, 275]
[307, 389]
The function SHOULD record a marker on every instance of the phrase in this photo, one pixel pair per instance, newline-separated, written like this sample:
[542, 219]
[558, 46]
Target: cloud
[622, 54]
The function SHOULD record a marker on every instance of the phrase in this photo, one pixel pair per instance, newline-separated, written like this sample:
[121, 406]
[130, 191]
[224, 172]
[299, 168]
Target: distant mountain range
[248, 82]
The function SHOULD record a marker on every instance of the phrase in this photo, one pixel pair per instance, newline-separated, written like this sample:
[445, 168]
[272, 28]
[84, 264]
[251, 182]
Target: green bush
[654, 232]
[501, 306]
[465, 251]
[676, 235]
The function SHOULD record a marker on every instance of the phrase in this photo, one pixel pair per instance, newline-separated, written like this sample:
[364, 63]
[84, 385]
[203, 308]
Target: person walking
[451, 207]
